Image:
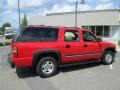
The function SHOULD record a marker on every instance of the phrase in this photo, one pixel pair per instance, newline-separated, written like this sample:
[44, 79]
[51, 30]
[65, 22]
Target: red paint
[26, 50]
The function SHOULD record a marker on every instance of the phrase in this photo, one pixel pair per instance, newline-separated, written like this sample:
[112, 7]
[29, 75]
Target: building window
[102, 31]
[85, 27]
[93, 29]
[99, 30]
[106, 31]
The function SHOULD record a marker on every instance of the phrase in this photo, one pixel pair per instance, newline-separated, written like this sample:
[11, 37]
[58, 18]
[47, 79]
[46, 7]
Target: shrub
[119, 43]
[1, 44]
[7, 43]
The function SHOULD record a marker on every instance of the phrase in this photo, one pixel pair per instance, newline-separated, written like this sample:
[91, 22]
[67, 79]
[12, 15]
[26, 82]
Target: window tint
[38, 34]
[71, 35]
[88, 36]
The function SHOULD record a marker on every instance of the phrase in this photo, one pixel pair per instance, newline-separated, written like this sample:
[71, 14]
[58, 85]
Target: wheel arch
[109, 49]
[40, 54]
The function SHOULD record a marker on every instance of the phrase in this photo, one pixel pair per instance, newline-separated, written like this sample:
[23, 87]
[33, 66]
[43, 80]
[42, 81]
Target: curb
[4, 47]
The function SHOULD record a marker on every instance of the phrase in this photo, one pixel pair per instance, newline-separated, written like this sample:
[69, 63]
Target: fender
[106, 48]
[38, 53]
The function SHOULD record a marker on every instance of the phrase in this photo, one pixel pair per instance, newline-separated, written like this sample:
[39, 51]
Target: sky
[34, 8]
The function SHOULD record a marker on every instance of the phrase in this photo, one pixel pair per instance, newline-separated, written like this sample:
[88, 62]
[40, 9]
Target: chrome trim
[77, 55]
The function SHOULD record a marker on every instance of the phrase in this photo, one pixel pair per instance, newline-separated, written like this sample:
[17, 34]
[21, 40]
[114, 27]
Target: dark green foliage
[24, 22]
[2, 29]
[119, 43]
[1, 44]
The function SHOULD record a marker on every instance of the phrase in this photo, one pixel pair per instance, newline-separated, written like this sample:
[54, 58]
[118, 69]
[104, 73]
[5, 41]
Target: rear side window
[71, 36]
[38, 34]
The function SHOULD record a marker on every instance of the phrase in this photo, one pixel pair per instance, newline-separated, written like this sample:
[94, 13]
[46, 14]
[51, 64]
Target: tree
[2, 29]
[24, 22]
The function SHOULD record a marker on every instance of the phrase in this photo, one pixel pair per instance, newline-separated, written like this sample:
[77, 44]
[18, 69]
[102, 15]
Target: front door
[92, 48]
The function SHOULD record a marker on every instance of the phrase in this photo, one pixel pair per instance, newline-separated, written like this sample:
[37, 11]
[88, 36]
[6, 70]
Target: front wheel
[46, 67]
[108, 57]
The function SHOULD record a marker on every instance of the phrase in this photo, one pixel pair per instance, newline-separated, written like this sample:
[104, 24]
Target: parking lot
[84, 77]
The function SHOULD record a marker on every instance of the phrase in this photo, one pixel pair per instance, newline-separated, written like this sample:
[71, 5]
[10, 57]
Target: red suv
[45, 48]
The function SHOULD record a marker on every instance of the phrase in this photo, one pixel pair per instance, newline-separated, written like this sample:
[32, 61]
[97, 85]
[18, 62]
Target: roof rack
[36, 25]
[52, 26]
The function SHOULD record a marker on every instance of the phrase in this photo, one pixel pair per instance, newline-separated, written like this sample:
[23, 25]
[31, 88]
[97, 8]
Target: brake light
[14, 50]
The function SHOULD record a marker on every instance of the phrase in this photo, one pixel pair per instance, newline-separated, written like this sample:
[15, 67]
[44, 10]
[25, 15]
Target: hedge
[4, 44]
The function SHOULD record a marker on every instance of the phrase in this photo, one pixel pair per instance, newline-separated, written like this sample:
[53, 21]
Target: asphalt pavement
[84, 77]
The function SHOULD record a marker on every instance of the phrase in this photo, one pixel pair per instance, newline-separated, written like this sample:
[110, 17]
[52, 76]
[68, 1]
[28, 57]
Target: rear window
[38, 34]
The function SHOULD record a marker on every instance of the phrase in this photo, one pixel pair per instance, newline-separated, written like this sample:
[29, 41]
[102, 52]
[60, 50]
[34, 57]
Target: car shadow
[27, 73]
[79, 67]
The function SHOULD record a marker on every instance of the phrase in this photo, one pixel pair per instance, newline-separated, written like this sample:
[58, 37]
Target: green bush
[7, 43]
[119, 43]
[4, 44]
[1, 44]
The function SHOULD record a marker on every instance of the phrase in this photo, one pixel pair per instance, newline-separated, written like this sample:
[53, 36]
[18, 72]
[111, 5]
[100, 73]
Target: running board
[78, 63]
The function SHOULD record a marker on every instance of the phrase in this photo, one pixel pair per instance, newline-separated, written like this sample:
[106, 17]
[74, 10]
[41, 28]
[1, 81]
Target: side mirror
[98, 39]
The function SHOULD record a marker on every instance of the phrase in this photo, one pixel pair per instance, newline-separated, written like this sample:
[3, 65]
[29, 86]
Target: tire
[47, 67]
[18, 71]
[12, 65]
[108, 57]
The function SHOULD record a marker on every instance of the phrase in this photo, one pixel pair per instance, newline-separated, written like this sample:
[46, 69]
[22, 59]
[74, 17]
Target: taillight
[15, 52]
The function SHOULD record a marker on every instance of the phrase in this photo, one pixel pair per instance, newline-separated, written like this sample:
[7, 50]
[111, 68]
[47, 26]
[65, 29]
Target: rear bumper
[10, 62]
[23, 62]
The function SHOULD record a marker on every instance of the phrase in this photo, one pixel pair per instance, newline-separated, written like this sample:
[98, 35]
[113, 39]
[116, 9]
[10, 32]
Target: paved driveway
[86, 77]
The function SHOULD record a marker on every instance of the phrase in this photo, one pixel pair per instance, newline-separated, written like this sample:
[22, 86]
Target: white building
[105, 23]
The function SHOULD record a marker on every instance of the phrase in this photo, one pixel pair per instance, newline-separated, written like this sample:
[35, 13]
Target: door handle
[67, 46]
[85, 45]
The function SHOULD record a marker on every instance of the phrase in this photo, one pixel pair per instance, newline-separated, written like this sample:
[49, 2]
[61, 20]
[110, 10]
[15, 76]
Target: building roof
[84, 18]
[90, 11]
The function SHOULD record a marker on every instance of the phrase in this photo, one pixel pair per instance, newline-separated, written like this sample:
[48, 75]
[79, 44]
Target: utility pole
[76, 10]
[19, 12]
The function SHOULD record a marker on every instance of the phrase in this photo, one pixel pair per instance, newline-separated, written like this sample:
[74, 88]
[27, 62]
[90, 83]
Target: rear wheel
[46, 67]
[108, 57]
[18, 71]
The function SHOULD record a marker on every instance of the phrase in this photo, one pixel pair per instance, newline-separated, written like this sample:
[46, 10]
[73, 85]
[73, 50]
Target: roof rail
[36, 25]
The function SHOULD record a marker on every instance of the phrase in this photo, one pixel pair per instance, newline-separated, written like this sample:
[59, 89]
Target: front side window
[38, 34]
[88, 37]
[71, 35]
